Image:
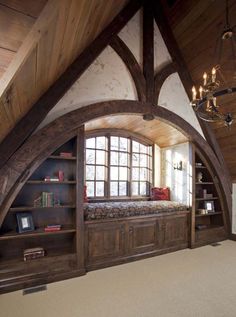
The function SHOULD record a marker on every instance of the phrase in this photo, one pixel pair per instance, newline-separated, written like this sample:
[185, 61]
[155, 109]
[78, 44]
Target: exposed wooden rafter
[48, 100]
[131, 63]
[161, 76]
[185, 76]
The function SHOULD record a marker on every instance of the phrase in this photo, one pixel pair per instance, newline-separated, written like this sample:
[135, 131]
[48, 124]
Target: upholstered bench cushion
[94, 211]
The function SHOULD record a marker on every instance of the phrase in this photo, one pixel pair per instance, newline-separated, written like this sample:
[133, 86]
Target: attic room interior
[117, 157]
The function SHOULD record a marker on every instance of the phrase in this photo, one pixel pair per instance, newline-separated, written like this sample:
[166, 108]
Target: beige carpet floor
[199, 283]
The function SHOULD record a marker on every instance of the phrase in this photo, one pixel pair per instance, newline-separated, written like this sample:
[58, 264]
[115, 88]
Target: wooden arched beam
[160, 78]
[131, 63]
[40, 145]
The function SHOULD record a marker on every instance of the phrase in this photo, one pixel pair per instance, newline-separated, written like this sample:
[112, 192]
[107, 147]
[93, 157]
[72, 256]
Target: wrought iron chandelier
[205, 102]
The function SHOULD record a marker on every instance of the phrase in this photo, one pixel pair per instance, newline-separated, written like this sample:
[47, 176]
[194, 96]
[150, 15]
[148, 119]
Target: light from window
[117, 166]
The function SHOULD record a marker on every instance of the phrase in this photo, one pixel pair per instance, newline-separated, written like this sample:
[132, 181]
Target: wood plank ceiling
[156, 131]
[196, 26]
[40, 39]
[40, 51]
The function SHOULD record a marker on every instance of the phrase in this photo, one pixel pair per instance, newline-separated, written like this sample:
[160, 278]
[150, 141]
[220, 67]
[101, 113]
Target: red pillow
[85, 194]
[158, 193]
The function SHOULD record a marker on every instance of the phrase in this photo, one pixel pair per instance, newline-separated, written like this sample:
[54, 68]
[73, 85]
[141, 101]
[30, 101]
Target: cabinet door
[105, 241]
[143, 236]
[175, 230]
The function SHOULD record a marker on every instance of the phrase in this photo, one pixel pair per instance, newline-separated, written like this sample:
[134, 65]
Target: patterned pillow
[158, 193]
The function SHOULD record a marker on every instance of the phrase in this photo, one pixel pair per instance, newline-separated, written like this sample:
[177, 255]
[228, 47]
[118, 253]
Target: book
[52, 228]
[66, 154]
[33, 253]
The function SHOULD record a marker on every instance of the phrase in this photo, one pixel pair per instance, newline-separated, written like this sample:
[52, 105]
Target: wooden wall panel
[27, 7]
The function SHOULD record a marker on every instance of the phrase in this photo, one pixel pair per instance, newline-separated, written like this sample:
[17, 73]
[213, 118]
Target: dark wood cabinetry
[208, 214]
[117, 241]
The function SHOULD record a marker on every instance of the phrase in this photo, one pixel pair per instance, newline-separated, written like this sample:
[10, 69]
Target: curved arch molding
[40, 145]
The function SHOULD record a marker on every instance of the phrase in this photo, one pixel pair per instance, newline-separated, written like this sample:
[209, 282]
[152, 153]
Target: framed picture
[209, 206]
[25, 222]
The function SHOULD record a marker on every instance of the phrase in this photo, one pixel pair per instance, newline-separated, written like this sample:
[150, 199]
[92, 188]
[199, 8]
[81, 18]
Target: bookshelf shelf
[35, 233]
[58, 157]
[207, 228]
[37, 182]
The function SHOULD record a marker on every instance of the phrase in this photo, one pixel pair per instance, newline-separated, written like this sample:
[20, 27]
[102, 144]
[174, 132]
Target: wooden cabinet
[143, 236]
[208, 212]
[112, 242]
[105, 241]
[175, 230]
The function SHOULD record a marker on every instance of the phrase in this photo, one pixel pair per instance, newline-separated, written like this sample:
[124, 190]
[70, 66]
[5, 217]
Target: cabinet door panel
[175, 231]
[143, 236]
[105, 241]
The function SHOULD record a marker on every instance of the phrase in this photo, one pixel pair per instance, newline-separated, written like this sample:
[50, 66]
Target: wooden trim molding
[131, 63]
[40, 109]
[160, 78]
[39, 146]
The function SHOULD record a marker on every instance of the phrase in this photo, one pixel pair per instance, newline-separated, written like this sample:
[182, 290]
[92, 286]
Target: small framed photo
[25, 222]
[209, 206]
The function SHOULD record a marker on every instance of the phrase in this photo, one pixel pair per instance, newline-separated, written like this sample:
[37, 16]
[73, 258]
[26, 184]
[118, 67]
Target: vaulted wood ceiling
[155, 130]
[196, 26]
[40, 39]
[45, 47]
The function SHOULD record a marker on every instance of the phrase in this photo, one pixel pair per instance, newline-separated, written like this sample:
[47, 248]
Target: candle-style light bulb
[213, 74]
[194, 93]
[205, 78]
[200, 91]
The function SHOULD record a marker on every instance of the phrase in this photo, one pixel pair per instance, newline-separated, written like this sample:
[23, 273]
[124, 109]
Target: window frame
[108, 133]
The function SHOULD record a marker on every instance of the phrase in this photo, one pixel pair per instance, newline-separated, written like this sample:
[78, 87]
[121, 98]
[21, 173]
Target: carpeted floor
[199, 283]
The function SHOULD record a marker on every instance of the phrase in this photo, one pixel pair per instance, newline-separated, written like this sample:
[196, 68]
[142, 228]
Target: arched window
[118, 166]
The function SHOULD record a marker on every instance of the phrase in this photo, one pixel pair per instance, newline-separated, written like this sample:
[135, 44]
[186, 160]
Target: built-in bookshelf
[53, 199]
[208, 224]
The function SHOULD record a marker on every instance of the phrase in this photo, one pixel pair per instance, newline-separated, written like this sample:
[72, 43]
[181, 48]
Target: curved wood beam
[44, 142]
[25, 127]
[160, 78]
[131, 63]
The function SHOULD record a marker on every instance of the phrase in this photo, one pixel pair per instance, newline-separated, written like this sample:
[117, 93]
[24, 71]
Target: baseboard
[232, 236]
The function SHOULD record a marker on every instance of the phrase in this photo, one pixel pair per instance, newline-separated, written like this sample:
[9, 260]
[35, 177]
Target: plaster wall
[179, 182]
[108, 78]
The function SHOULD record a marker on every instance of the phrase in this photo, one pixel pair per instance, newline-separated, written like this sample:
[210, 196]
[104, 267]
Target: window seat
[111, 210]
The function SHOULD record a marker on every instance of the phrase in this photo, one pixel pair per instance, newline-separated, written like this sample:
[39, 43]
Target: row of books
[45, 200]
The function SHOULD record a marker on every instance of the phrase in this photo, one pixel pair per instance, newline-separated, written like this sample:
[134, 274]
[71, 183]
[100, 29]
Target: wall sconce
[178, 166]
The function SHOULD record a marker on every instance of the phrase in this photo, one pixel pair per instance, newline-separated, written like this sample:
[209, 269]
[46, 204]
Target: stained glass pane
[90, 156]
[99, 189]
[90, 143]
[90, 172]
[122, 188]
[114, 173]
[114, 158]
[114, 188]
[90, 189]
